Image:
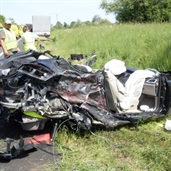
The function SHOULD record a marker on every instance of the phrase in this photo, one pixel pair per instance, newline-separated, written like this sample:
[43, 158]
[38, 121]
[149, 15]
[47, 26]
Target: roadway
[20, 44]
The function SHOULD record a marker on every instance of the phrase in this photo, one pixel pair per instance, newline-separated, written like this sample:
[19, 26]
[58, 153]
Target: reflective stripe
[10, 39]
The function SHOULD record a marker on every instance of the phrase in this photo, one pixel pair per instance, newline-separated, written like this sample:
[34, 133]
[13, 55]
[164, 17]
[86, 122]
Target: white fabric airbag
[115, 66]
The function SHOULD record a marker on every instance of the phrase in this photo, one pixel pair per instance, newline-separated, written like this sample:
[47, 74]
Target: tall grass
[122, 149]
[139, 45]
[125, 148]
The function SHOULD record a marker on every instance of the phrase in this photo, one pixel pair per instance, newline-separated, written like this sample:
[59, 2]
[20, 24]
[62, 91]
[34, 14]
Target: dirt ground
[35, 159]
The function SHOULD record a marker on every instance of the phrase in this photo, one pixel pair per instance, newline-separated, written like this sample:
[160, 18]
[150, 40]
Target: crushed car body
[35, 88]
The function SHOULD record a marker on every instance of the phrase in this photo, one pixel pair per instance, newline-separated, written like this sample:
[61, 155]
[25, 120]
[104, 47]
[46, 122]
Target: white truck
[41, 25]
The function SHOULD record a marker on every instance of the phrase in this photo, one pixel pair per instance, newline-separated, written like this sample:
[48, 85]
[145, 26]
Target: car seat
[120, 98]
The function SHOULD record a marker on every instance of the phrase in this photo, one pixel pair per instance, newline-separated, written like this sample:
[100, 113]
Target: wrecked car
[35, 88]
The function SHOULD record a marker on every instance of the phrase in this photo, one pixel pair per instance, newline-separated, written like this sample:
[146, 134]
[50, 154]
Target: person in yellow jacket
[29, 39]
[8, 41]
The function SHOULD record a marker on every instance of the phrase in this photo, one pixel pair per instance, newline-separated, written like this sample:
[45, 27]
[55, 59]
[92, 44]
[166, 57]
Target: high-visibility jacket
[29, 41]
[10, 39]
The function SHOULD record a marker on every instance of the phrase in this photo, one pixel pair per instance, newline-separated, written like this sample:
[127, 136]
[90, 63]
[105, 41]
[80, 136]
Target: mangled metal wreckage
[35, 88]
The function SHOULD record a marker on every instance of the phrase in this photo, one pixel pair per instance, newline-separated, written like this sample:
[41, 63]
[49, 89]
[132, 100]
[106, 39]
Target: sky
[59, 10]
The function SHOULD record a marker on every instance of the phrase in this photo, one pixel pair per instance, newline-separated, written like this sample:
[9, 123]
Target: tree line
[96, 20]
[141, 11]
[124, 11]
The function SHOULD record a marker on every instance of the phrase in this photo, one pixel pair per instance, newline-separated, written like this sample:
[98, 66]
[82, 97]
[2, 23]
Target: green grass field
[125, 148]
